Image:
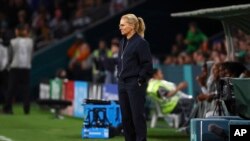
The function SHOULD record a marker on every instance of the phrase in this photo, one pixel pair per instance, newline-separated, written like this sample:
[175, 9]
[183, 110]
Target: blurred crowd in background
[51, 20]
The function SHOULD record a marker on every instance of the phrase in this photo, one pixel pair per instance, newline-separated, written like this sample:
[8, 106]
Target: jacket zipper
[123, 50]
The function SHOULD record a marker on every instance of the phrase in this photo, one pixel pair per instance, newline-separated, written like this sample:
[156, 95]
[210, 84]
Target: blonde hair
[138, 23]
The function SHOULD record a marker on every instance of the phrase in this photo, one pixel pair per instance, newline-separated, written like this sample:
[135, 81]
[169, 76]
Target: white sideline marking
[3, 138]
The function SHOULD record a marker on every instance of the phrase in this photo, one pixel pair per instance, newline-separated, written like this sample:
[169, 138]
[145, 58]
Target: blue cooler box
[100, 119]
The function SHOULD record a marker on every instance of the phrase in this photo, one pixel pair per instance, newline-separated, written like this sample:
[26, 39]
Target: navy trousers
[132, 100]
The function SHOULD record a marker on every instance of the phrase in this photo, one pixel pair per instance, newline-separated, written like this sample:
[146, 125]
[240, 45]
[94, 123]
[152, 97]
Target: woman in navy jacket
[134, 70]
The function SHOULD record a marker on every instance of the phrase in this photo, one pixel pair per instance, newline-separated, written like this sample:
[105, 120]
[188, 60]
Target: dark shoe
[7, 110]
[26, 110]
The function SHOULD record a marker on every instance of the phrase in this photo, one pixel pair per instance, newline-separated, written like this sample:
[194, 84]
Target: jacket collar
[132, 38]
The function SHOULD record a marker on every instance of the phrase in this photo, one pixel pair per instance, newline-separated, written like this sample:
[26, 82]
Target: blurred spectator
[117, 6]
[41, 15]
[3, 20]
[195, 38]
[21, 49]
[109, 64]
[180, 60]
[232, 69]
[170, 60]
[217, 56]
[180, 42]
[43, 34]
[115, 40]
[242, 51]
[22, 18]
[5, 32]
[245, 74]
[80, 60]
[242, 45]
[13, 9]
[80, 19]
[61, 74]
[219, 46]
[36, 4]
[187, 58]
[99, 55]
[175, 50]
[3, 70]
[199, 57]
[59, 25]
[179, 45]
[3, 56]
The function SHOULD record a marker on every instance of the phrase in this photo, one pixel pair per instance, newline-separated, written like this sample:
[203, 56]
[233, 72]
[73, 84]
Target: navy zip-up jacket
[134, 59]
